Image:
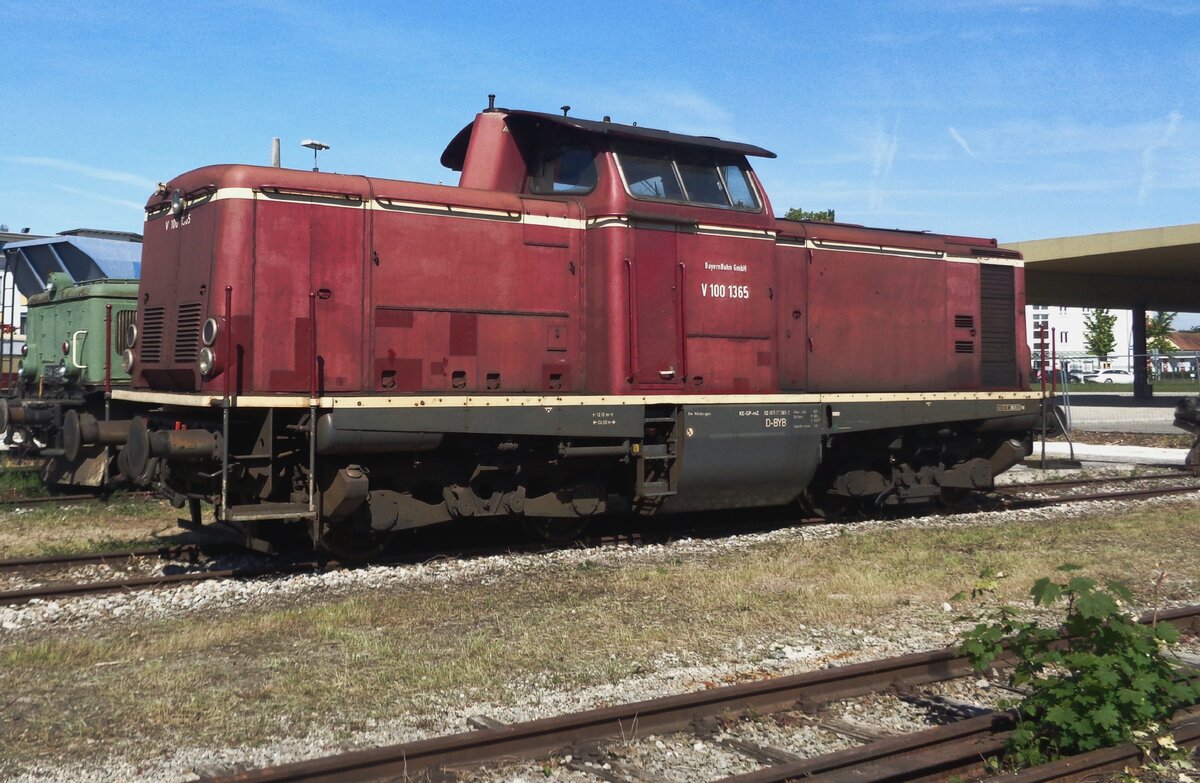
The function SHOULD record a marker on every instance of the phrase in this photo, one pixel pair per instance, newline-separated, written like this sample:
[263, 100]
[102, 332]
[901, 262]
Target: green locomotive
[57, 408]
[71, 296]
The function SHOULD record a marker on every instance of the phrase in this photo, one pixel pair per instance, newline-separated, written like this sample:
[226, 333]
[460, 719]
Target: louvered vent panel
[964, 322]
[964, 346]
[998, 327]
[151, 338]
[121, 322]
[187, 333]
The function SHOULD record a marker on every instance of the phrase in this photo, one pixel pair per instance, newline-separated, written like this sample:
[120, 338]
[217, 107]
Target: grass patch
[247, 677]
[21, 483]
[123, 521]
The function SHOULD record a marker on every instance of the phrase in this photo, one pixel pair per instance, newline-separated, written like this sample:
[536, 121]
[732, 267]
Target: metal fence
[1097, 393]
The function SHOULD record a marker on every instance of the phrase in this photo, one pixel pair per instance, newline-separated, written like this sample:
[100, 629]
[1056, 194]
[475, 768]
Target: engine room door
[303, 247]
[657, 342]
[793, 317]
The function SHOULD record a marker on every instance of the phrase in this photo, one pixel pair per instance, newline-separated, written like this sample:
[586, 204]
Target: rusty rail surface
[1081, 482]
[1131, 494]
[187, 552]
[958, 750]
[537, 738]
[71, 590]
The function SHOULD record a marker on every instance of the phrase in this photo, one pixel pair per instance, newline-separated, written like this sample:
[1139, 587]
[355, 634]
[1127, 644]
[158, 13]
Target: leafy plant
[822, 215]
[1098, 679]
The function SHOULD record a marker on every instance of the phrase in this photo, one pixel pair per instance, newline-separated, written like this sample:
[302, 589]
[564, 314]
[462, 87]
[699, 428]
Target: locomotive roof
[456, 151]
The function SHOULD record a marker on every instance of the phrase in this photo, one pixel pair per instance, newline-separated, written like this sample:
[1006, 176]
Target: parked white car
[1110, 376]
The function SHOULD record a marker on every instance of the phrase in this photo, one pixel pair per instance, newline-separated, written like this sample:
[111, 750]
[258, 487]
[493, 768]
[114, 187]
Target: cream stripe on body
[562, 401]
[578, 224]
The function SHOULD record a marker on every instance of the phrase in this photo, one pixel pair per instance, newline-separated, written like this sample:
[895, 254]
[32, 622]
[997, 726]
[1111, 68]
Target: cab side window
[561, 169]
[686, 175]
[650, 176]
[737, 185]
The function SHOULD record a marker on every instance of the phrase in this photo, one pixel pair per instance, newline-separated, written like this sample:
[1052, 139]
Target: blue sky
[1018, 119]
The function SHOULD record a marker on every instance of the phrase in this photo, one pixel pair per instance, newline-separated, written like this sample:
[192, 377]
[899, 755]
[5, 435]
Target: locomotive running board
[261, 512]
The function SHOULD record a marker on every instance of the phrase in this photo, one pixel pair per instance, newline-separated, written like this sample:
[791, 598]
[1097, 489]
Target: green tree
[1158, 332]
[1098, 337]
[824, 215]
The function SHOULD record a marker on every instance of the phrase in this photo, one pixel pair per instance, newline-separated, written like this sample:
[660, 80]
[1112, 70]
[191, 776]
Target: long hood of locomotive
[357, 286]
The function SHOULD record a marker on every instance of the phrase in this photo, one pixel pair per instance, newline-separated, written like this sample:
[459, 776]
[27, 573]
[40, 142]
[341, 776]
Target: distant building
[1066, 327]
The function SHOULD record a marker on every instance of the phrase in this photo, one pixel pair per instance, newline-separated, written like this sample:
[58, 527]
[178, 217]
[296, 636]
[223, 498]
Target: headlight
[127, 360]
[208, 335]
[131, 335]
[25, 349]
[66, 347]
[207, 362]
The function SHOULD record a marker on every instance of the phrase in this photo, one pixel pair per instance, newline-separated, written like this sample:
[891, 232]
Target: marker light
[208, 335]
[207, 362]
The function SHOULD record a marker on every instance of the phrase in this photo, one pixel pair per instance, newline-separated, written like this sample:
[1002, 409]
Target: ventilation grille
[152, 334]
[187, 333]
[964, 346]
[997, 319]
[121, 327]
[964, 322]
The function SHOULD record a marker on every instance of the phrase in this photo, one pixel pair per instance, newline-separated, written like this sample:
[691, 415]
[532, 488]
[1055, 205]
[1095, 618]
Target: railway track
[61, 590]
[38, 500]
[189, 555]
[1011, 497]
[1083, 482]
[960, 748]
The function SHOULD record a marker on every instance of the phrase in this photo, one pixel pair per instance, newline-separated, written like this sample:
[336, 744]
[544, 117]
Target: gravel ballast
[808, 648]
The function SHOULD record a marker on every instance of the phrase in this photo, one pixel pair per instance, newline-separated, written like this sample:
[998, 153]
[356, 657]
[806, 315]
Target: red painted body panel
[435, 289]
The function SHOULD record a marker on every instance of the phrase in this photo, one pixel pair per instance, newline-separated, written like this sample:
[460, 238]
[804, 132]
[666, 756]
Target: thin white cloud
[883, 152]
[883, 155]
[101, 197]
[1149, 170]
[954, 134]
[92, 172]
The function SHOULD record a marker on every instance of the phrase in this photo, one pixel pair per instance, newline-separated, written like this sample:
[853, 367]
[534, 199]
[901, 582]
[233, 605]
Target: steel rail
[55, 591]
[1132, 494]
[179, 552]
[1079, 482]
[1098, 764]
[654, 716]
[955, 750]
[39, 499]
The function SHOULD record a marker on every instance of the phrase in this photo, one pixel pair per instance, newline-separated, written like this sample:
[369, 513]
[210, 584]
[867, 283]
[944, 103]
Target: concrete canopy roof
[1152, 268]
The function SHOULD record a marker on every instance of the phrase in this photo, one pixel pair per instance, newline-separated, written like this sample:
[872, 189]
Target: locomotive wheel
[954, 497]
[353, 539]
[555, 529]
[835, 508]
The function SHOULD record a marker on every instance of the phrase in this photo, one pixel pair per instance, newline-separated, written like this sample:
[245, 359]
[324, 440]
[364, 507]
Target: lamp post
[315, 146]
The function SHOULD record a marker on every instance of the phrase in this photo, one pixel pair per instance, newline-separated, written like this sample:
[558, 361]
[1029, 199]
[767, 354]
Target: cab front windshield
[693, 176]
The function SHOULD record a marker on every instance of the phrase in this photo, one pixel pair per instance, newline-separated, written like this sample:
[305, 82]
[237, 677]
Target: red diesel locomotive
[598, 318]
